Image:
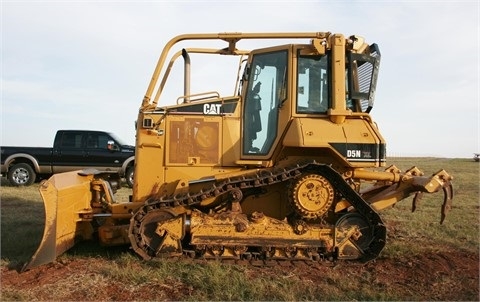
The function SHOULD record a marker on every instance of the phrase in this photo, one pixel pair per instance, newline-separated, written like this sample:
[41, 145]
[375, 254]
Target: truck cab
[72, 150]
[80, 149]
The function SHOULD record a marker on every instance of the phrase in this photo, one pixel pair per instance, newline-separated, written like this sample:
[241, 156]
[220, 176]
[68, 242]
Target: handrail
[191, 97]
[230, 38]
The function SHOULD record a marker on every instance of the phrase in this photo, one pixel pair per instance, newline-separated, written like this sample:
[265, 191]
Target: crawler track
[256, 253]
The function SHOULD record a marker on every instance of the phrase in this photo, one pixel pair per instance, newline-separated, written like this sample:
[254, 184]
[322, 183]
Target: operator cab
[269, 105]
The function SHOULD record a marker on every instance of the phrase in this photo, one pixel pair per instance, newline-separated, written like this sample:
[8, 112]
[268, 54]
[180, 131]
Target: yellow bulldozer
[290, 166]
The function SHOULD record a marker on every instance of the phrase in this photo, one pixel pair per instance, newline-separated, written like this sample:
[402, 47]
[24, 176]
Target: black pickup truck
[72, 150]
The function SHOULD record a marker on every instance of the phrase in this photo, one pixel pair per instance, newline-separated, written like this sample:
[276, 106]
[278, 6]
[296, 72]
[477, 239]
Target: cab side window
[312, 84]
[92, 141]
[71, 140]
[98, 141]
[103, 140]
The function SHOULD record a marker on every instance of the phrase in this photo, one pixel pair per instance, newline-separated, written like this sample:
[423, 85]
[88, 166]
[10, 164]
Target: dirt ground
[422, 275]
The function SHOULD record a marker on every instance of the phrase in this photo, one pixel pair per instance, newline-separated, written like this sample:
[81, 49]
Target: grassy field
[422, 260]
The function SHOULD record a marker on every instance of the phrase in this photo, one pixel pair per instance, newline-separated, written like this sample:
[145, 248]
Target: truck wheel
[21, 174]
[129, 177]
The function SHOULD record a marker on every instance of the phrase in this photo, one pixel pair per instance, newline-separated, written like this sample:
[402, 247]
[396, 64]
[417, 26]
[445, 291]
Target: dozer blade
[66, 198]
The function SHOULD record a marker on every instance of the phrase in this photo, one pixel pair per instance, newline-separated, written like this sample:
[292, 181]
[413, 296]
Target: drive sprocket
[311, 195]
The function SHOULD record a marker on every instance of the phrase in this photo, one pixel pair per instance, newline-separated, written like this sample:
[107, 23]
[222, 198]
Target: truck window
[312, 84]
[92, 141]
[98, 140]
[71, 140]
[266, 88]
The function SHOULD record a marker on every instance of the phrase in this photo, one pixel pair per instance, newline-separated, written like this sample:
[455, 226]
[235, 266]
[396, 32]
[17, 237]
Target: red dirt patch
[430, 277]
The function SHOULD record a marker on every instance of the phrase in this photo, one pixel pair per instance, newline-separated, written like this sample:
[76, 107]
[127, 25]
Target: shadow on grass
[22, 223]
[93, 249]
[22, 226]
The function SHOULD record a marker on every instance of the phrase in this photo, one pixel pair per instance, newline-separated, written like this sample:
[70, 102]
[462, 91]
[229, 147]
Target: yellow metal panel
[149, 163]
[230, 141]
[309, 132]
[339, 110]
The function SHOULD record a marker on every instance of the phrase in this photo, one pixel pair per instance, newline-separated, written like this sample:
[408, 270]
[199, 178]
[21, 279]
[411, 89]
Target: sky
[87, 64]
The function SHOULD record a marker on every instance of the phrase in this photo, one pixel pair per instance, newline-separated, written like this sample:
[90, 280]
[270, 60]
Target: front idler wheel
[155, 232]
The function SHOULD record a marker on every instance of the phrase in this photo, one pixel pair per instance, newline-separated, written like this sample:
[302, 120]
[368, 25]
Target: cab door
[265, 108]
[68, 152]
